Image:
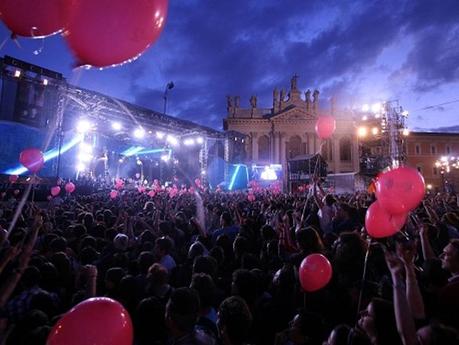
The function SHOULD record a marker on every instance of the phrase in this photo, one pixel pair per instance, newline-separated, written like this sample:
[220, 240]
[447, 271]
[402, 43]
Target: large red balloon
[325, 126]
[400, 190]
[33, 18]
[315, 272]
[109, 32]
[70, 187]
[379, 223]
[96, 321]
[32, 159]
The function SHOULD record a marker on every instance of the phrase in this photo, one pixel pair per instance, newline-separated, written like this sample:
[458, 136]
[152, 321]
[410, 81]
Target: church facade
[287, 130]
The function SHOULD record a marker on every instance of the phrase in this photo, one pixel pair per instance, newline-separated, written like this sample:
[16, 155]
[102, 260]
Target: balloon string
[4, 42]
[19, 209]
[364, 275]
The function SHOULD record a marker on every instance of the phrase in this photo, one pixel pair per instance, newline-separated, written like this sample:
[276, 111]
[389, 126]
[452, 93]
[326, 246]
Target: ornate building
[287, 130]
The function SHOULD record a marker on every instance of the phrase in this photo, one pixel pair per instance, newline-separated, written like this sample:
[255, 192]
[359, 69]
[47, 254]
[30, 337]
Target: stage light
[203, 172]
[365, 107]
[268, 174]
[84, 157]
[160, 135]
[139, 133]
[80, 167]
[165, 158]
[376, 108]
[429, 186]
[83, 126]
[199, 140]
[188, 142]
[85, 147]
[120, 160]
[45, 82]
[375, 131]
[362, 132]
[139, 162]
[171, 140]
[116, 126]
[406, 132]
[17, 73]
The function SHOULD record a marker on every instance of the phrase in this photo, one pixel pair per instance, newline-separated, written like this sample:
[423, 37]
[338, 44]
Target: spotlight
[375, 131]
[139, 162]
[45, 82]
[199, 140]
[188, 142]
[362, 132]
[376, 108]
[171, 140]
[80, 167]
[116, 126]
[17, 73]
[120, 160]
[160, 135]
[139, 133]
[429, 186]
[83, 126]
[406, 132]
[85, 147]
[84, 157]
[165, 158]
[203, 172]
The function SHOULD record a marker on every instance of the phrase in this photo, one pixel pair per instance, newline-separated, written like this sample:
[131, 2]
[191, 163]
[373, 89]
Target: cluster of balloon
[119, 183]
[251, 197]
[128, 27]
[325, 126]
[151, 193]
[98, 320]
[398, 191]
[32, 18]
[70, 187]
[315, 272]
[32, 159]
[55, 191]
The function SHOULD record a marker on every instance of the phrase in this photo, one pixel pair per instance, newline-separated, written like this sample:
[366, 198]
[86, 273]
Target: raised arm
[404, 320]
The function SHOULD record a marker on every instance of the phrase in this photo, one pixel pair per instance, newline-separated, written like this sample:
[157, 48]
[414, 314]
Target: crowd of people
[218, 268]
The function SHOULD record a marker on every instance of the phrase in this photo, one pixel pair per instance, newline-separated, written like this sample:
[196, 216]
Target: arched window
[263, 148]
[345, 149]
[294, 146]
[327, 152]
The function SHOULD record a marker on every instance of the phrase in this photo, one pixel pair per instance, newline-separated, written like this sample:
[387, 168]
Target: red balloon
[325, 126]
[109, 32]
[32, 159]
[13, 178]
[70, 187]
[400, 190]
[113, 194]
[99, 320]
[379, 223]
[315, 272]
[55, 190]
[33, 18]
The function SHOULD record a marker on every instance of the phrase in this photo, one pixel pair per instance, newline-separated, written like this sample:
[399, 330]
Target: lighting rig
[382, 131]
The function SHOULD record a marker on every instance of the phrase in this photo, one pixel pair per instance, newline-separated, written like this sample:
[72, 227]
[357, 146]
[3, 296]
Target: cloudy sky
[359, 51]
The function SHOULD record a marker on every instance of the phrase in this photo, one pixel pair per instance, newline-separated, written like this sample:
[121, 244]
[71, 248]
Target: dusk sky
[360, 51]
